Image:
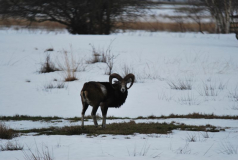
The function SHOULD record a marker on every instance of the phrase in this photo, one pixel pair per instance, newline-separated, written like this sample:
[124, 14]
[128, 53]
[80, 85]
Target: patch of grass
[125, 128]
[6, 132]
[58, 86]
[28, 118]
[69, 67]
[48, 66]
[180, 84]
[9, 146]
[190, 115]
[75, 119]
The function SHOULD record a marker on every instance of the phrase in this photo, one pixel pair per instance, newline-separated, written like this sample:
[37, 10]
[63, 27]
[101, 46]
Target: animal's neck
[121, 98]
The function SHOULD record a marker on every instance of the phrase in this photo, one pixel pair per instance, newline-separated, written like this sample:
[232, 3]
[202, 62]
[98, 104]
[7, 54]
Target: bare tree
[79, 16]
[221, 10]
[195, 12]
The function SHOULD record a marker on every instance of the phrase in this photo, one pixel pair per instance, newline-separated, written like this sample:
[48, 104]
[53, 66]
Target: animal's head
[122, 83]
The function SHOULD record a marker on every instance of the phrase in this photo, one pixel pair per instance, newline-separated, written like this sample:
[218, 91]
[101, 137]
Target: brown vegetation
[148, 26]
[167, 26]
[6, 132]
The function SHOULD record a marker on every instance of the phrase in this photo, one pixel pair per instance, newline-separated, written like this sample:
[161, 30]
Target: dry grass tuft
[180, 84]
[69, 67]
[6, 132]
[43, 154]
[48, 66]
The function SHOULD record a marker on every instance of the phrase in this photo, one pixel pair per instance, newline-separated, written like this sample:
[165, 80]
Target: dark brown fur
[105, 95]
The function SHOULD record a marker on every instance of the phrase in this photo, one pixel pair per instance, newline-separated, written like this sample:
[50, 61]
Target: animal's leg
[104, 114]
[93, 113]
[85, 107]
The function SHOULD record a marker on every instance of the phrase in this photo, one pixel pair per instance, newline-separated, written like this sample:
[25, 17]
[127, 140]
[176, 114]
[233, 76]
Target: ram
[105, 95]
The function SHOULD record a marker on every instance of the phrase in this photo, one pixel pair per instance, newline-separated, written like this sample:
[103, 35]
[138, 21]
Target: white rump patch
[104, 90]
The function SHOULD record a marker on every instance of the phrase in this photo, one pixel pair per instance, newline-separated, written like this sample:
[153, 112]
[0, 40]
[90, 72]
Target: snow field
[208, 63]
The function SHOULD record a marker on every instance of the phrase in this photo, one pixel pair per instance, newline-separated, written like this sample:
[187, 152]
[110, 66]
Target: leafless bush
[143, 151]
[98, 55]
[180, 84]
[205, 134]
[228, 148]
[48, 66]
[166, 97]
[188, 99]
[9, 146]
[191, 138]
[104, 56]
[110, 62]
[43, 154]
[184, 150]
[234, 95]
[6, 132]
[208, 90]
[126, 69]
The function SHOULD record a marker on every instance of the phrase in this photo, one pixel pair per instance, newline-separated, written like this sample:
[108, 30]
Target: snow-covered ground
[208, 62]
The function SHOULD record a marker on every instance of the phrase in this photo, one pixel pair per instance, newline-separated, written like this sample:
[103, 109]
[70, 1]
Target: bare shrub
[104, 56]
[205, 134]
[43, 154]
[180, 84]
[58, 85]
[48, 66]
[126, 69]
[69, 67]
[165, 96]
[9, 146]
[209, 90]
[143, 151]
[6, 132]
[228, 148]
[98, 55]
[184, 150]
[110, 63]
[188, 99]
[191, 138]
[234, 95]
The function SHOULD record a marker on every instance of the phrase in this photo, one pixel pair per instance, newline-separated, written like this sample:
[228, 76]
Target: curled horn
[114, 75]
[130, 76]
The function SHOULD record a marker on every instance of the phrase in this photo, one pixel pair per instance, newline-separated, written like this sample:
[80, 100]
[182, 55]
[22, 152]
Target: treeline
[79, 16]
